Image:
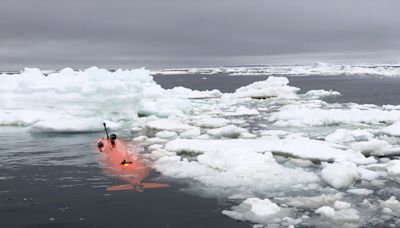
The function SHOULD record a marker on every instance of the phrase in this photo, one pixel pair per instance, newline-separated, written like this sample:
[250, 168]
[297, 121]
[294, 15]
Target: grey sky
[178, 33]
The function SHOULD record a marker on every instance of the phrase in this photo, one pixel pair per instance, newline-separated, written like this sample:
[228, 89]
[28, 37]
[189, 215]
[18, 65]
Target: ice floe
[30, 97]
[272, 87]
[255, 210]
[340, 174]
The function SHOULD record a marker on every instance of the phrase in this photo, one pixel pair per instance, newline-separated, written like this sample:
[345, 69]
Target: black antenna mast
[105, 128]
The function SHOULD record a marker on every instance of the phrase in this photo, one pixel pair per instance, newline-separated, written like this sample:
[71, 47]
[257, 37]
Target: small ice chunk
[140, 138]
[393, 168]
[375, 147]
[392, 203]
[230, 131]
[246, 135]
[339, 205]
[159, 152]
[349, 215]
[242, 111]
[387, 210]
[190, 134]
[155, 147]
[301, 162]
[208, 122]
[326, 211]
[168, 125]
[313, 202]
[193, 94]
[156, 141]
[345, 136]
[166, 135]
[253, 209]
[360, 191]
[272, 87]
[367, 174]
[393, 129]
[292, 221]
[340, 174]
[316, 94]
[136, 129]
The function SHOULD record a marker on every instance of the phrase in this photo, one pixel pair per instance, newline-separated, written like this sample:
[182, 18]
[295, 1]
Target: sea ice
[360, 191]
[297, 146]
[393, 129]
[235, 169]
[230, 131]
[272, 87]
[323, 114]
[340, 174]
[73, 125]
[392, 203]
[254, 209]
[312, 202]
[346, 136]
[316, 94]
[209, 122]
[326, 211]
[167, 125]
[393, 168]
[52, 98]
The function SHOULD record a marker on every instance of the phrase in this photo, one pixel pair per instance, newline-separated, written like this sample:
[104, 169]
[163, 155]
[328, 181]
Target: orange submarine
[125, 165]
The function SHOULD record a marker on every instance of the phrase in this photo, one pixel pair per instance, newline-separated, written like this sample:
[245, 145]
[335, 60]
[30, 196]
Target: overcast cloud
[178, 33]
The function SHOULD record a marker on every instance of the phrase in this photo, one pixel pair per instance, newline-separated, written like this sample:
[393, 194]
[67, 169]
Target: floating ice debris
[326, 211]
[190, 134]
[254, 209]
[360, 191]
[193, 94]
[209, 122]
[367, 174]
[393, 168]
[167, 135]
[316, 94]
[342, 214]
[346, 136]
[340, 205]
[340, 174]
[242, 111]
[230, 131]
[393, 129]
[167, 125]
[272, 87]
[392, 203]
[376, 147]
[311, 202]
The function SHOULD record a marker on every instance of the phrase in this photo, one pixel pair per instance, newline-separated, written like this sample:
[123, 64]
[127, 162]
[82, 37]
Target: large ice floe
[275, 156]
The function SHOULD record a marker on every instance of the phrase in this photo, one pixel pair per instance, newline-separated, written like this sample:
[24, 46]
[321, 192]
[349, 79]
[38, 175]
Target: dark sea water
[358, 89]
[55, 180]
